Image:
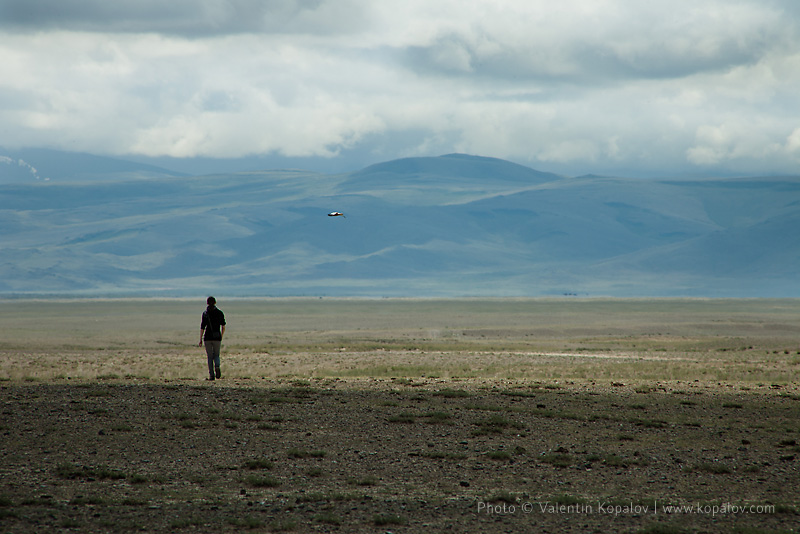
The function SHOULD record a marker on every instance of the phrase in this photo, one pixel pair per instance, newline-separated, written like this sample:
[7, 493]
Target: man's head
[211, 301]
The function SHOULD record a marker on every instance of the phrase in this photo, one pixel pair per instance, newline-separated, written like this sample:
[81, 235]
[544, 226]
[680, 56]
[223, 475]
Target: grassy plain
[337, 415]
[748, 341]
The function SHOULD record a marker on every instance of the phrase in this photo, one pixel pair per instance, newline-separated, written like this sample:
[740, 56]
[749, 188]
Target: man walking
[212, 328]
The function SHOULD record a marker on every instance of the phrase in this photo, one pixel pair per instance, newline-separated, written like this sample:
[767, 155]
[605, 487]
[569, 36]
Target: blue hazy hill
[448, 226]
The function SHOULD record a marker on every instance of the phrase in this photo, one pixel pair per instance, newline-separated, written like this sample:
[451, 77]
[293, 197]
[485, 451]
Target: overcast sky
[574, 86]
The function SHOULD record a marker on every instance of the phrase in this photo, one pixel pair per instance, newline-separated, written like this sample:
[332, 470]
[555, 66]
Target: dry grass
[733, 341]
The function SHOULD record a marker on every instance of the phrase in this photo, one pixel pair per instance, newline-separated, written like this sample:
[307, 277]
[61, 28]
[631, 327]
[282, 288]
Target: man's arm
[201, 337]
[222, 332]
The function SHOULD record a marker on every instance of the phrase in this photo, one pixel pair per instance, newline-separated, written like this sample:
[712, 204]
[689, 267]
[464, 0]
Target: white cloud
[588, 83]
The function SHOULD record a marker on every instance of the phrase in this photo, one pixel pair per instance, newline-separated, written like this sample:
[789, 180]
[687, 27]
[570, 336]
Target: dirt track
[396, 455]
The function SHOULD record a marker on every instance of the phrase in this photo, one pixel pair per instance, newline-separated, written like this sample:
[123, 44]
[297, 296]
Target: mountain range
[448, 226]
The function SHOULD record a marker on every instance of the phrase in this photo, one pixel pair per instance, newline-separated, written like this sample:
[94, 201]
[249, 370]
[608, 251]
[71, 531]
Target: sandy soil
[421, 455]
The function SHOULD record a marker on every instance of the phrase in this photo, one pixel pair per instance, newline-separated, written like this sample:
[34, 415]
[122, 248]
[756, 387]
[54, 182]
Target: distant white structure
[336, 214]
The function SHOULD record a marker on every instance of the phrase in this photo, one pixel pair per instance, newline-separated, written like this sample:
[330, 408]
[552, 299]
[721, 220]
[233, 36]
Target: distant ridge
[75, 167]
[462, 166]
[447, 226]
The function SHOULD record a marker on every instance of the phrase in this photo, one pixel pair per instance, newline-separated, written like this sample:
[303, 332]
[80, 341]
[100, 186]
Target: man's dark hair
[211, 301]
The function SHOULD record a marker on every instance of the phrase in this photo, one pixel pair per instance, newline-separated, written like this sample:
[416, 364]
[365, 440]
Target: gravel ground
[397, 456]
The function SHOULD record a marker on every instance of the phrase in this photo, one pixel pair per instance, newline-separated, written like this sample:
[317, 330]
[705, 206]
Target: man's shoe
[210, 378]
[219, 375]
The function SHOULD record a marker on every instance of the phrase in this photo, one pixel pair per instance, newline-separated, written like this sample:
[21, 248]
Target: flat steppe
[336, 415]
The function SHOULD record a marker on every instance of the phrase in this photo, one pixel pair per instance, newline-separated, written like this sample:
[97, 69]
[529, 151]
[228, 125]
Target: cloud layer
[592, 85]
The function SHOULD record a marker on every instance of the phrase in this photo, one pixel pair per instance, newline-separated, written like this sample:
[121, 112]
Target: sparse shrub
[664, 528]
[258, 463]
[452, 393]
[246, 522]
[368, 480]
[262, 482]
[314, 472]
[503, 496]
[438, 417]
[303, 453]
[283, 525]
[732, 405]
[517, 393]
[483, 407]
[404, 417]
[649, 423]
[495, 424]
[132, 501]
[70, 471]
[557, 459]
[714, 468]
[438, 455]
[567, 499]
[382, 520]
[328, 518]
[612, 460]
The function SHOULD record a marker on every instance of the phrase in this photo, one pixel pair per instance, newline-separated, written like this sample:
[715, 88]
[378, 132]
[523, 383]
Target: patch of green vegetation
[328, 497]
[304, 453]
[503, 496]
[283, 525]
[649, 423]
[495, 424]
[736, 405]
[452, 393]
[714, 468]
[258, 481]
[364, 481]
[257, 463]
[437, 417]
[71, 472]
[383, 520]
[247, 522]
[329, 518]
[664, 528]
[187, 522]
[404, 417]
[483, 407]
[517, 393]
